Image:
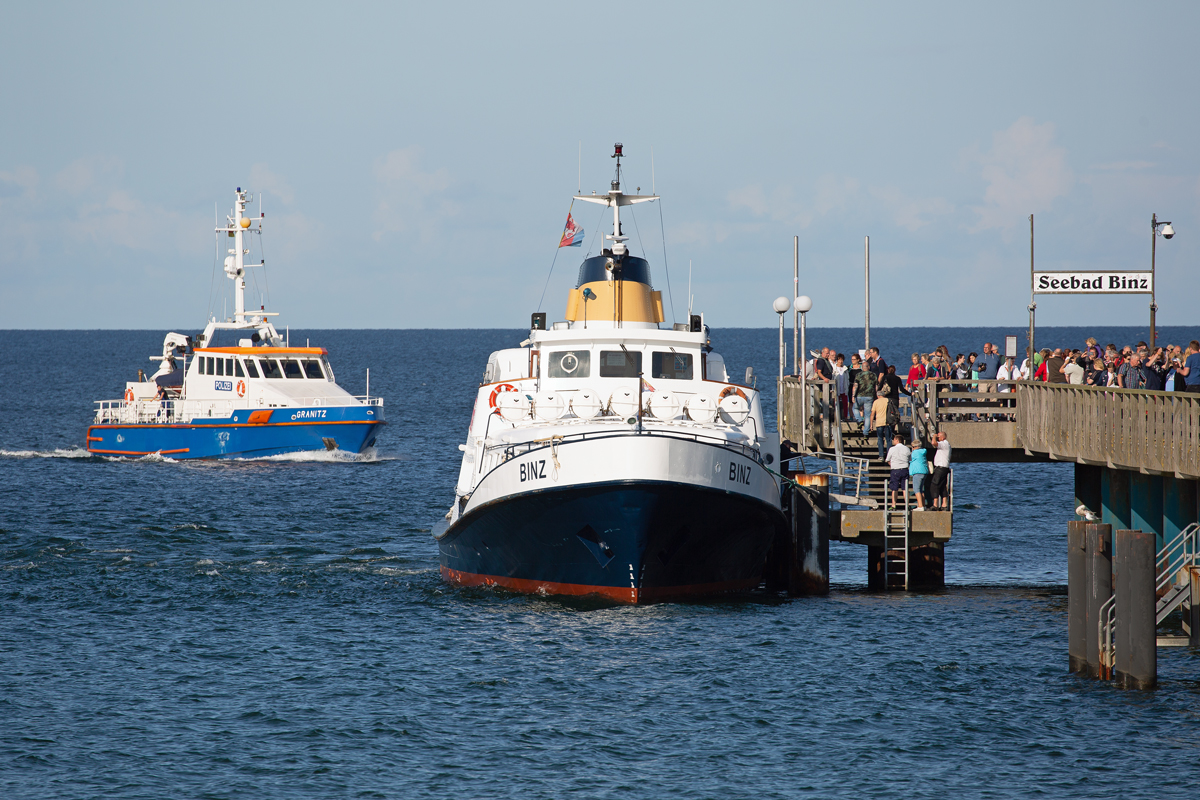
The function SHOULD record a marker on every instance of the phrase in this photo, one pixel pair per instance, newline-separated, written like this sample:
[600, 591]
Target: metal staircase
[1178, 584]
[1178, 567]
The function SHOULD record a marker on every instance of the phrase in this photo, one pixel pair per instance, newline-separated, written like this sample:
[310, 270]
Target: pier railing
[1118, 428]
[1133, 429]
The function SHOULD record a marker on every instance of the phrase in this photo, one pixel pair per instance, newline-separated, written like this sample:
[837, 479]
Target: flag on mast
[572, 235]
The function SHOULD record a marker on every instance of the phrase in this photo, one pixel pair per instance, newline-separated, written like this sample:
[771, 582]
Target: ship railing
[321, 401]
[514, 449]
[146, 412]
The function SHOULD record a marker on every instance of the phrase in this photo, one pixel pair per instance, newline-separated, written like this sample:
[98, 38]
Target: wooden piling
[1076, 597]
[808, 571]
[1098, 577]
[927, 566]
[1134, 578]
[798, 561]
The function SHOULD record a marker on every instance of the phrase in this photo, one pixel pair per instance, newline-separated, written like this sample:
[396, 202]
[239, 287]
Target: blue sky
[416, 161]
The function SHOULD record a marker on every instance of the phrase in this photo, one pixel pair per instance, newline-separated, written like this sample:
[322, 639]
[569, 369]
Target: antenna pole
[689, 292]
[1032, 305]
[796, 355]
[867, 290]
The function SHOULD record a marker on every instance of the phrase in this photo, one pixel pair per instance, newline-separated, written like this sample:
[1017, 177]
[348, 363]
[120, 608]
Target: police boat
[238, 390]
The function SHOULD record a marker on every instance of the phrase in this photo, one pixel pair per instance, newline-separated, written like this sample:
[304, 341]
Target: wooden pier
[1136, 455]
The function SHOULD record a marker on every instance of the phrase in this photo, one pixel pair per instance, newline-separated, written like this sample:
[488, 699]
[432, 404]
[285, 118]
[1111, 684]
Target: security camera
[1168, 232]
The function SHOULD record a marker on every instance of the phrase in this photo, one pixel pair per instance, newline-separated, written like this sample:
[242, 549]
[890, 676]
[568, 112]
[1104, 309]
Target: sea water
[278, 628]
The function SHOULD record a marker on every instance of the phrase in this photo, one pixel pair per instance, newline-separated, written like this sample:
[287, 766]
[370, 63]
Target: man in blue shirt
[1191, 367]
[877, 364]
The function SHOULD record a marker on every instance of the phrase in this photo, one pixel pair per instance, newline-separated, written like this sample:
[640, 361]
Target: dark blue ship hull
[272, 432]
[632, 542]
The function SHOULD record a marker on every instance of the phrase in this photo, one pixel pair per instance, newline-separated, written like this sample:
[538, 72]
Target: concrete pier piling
[1077, 597]
[1098, 580]
[1136, 640]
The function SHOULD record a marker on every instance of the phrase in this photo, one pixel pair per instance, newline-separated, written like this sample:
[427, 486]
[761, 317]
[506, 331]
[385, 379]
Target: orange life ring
[728, 390]
[504, 387]
[241, 387]
[129, 395]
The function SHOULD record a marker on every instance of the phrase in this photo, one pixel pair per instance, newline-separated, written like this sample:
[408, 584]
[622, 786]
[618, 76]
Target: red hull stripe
[617, 593]
[137, 452]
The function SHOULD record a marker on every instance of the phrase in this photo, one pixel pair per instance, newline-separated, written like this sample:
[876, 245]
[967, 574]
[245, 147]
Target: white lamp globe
[781, 305]
[803, 303]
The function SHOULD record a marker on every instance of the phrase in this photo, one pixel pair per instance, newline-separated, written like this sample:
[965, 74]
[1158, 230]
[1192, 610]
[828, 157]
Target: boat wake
[368, 456]
[58, 452]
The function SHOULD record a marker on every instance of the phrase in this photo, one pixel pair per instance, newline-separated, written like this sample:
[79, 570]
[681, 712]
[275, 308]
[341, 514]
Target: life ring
[241, 387]
[129, 395]
[504, 387]
[728, 390]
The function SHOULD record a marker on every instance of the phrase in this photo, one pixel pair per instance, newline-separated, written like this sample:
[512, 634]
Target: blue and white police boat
[610, 456]
[238, 390]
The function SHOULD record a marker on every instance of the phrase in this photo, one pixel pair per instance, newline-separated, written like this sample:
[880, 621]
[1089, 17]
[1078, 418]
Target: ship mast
[616, 198]
[235, 262]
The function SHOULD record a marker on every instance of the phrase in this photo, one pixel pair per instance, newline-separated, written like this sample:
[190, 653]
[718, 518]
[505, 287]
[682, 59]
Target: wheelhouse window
[620, 364]
[237, 368]
[200, 365]
[220, 366]
[270, 368]
[250, 368]
[672, 366]
[312, 369]
[229, 367]
[569, 364]
[291, 368]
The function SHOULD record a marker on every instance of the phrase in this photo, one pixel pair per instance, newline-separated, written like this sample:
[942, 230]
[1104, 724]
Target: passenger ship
[238, 391]
[610, 456]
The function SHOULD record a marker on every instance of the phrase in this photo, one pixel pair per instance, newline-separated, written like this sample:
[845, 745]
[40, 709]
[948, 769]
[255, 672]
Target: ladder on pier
[897, 525]
[897, 520]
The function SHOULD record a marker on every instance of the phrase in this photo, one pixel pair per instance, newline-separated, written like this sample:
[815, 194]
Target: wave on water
[368, 456]
[58, 452]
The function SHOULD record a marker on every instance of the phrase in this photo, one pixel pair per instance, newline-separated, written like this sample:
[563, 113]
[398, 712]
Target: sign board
[1010, 347]
[1093, 282]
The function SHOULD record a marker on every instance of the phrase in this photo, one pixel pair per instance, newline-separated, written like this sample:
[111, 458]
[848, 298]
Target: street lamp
[781, 306]
[1167, 232]
[803, 304]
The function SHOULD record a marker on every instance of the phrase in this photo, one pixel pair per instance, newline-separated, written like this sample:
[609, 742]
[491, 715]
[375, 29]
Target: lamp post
[1167, 232]
[803, 304]
[781, 305]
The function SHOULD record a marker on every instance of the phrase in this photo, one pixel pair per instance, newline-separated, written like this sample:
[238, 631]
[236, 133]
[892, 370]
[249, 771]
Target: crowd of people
[866, 378]
[869, 390]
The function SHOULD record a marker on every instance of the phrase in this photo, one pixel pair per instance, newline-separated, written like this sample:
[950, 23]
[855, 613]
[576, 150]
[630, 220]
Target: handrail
[1106, 625]
[1187, 543]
